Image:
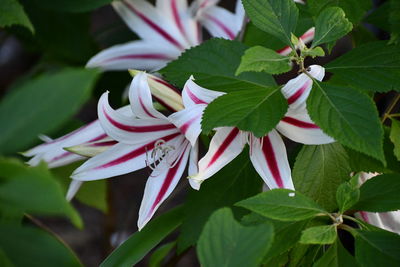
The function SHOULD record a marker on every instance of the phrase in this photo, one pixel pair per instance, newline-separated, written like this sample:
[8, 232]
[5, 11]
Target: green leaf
[276, 17]
[354, 9]
[394, 20]
[347, 195]
[314, 52]
[213, 64]
[33, 190]
[318, 172]
[395, 137]
[236, 181]
[379, 16]
[140, 243]
[12, 13]
[283, 205]
[330, 26]
[26, 246]
[380, 248]
[72, 5]
[254, 110]
[349, 116]
[336, 256]
[4, 260]
[225, 242]
[325, 234]
[158, 256]
[380, 194]
[260, 59]
[374, 66]
[24, 115]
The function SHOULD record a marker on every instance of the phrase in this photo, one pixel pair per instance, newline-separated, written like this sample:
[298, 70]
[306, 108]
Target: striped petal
[297, 90]
[129, 130]
[194, 94]
[120, 159]
[307, 37]
[269, 158]
[221, 22]
[298, 126]
[144, 55]
[189, 122]
[226, 144]
[141, 100]
[161, 183]
[150, 23]
[389, 221]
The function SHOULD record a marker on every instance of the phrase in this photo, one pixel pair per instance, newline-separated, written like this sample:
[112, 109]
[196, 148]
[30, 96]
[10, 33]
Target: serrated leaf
[374, 66]
[283, 205]
[378, 248]
[347, 195]
[254, 110]
[140, 243]
[260, 59]
[213, 64]
[319, 170]
[395, 137]
[27, 246]
[236, 181]
[314, 52]
[380, 194]
[349, 116]
[12, 13]
[336, 256]
[225, 242]
[325, 234]
[24, 115]
[276, 17]
[330, 26]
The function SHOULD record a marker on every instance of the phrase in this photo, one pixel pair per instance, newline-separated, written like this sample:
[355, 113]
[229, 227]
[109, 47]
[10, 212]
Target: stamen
[160, 152]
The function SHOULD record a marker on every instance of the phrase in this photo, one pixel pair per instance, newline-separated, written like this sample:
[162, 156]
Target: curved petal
[120, 159]
[297, 90]
[144, 55]
[389, 221]
[189, 122]
[161, 183]
[298, 126]
[73, 188]
[193, 166]
[226, 144]
[140, 98]
[150, 23]
[128, 130]
[269, 158]
[307, 37]
[194, 94]
[220, 22]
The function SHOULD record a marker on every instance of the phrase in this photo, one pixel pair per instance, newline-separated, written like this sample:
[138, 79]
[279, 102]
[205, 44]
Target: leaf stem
[390, 108]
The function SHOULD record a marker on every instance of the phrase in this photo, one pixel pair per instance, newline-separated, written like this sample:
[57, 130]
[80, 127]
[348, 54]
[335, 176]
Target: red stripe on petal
[164, 83]
[154, 26]
[135, 153]
[194, 98]
[97, 138]
[299, 92]
[63, 155]
[187, 124]
[299, 123]
[364, 216]
[269, 155]
[176, 17]
[106, 143]
[145, 108]
[220, 24]
[225, 144]
[138, 129]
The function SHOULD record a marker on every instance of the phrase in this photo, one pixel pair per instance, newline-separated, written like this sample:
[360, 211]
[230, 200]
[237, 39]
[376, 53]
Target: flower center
[160, 152]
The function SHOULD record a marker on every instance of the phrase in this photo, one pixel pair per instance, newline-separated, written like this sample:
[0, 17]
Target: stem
[347, 228]
[390, 108]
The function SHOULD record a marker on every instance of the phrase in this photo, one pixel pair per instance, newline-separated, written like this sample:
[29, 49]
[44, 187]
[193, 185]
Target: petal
[73, 188]
[145, 55]
[298, 126]
[189, 122]
[226, 144]
[193, 166]
[194, 94]
[220, 22]
[307, 37]
[161, 183]
[150, 23]
[93, 148]
[140, 98]
[120, 159]
[297, 90]
[269, 158]
[128, 130]
[389, 221]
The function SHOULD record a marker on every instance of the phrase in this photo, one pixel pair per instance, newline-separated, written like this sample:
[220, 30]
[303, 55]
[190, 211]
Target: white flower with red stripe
[268, 154]
[166, 30]
[147, 139]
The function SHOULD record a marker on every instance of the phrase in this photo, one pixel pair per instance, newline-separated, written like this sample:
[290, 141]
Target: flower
[386, 220]
[166, 30]
[148, 138]
[268, 154]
